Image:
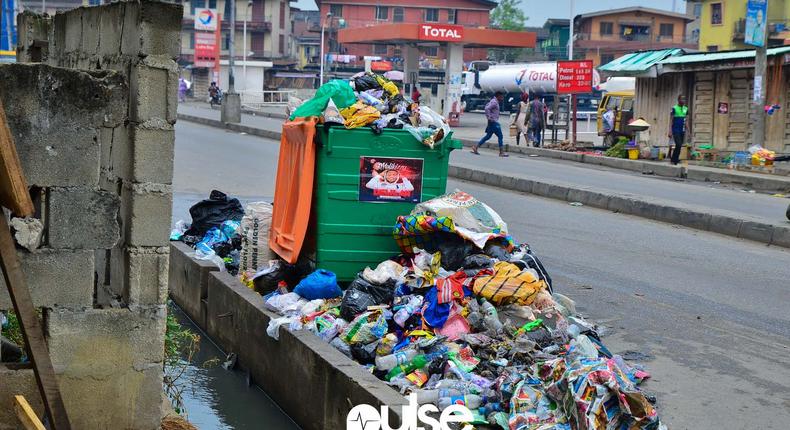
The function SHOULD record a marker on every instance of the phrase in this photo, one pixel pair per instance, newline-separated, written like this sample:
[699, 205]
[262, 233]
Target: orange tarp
[293, 190]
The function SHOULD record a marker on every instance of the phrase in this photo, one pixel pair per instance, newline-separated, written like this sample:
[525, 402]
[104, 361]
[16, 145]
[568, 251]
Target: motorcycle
[216, 99]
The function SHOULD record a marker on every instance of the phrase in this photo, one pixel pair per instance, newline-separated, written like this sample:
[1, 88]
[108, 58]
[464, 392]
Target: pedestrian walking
[493, 127]
[182, 90]
[536, 121]
[522, 120]
[679, 127]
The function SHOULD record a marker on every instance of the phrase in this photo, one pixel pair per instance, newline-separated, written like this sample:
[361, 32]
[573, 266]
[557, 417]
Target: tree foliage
[508, 16]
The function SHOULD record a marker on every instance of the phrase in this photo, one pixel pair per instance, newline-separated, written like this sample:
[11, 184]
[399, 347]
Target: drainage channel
[215, 398]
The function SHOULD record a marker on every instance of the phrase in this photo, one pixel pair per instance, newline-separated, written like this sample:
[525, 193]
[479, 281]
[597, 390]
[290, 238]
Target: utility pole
[759, 99]
[572, 105]
[231, 103]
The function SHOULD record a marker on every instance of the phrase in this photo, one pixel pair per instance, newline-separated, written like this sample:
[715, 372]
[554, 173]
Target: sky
[539, 10]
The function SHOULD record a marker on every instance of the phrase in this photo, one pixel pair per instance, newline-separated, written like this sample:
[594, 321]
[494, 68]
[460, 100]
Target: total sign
[206, 19]
[441, 32]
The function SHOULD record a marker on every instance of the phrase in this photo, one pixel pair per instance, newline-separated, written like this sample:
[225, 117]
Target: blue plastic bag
[213, 237]
[321, 284]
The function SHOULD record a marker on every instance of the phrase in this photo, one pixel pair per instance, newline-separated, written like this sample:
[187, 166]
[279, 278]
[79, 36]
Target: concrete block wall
[92, 114]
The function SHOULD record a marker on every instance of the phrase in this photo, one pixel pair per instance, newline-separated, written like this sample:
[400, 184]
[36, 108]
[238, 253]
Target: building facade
[364, 13]
[605, 35]
[306, 34]
[723, 24]
[268, 28]
[555, 47]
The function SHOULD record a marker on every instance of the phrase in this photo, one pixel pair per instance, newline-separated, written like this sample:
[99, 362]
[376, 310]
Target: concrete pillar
[411, 66]
[452, 82]
[231, 108]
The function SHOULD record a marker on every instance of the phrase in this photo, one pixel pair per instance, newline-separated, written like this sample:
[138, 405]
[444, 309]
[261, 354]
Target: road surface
[740, 203]
[707, 312]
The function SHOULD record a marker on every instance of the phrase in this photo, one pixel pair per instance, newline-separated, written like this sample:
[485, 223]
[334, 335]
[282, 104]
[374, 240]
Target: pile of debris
[466, 316]
[372, 100]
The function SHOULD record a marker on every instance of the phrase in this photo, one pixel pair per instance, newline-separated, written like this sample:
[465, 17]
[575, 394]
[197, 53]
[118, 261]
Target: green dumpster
[363, 182]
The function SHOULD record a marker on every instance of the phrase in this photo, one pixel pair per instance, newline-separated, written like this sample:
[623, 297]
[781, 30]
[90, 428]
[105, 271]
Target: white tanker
[482, 81]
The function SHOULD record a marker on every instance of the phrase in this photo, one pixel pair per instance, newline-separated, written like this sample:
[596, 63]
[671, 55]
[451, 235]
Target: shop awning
[723, 56]
[638, 63]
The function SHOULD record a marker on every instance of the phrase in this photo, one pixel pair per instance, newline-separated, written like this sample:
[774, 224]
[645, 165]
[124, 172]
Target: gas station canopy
[469, 37]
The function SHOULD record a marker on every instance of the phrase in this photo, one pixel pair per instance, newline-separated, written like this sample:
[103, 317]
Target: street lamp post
[244, 67]
[323, 27]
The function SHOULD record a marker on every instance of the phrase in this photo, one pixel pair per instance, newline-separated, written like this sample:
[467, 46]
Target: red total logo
[441, 32]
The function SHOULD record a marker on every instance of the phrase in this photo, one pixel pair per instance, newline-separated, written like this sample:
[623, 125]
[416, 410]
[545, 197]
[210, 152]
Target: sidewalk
[762, 215]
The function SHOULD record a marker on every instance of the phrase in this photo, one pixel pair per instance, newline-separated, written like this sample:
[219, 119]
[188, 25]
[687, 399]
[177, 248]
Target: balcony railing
[642, 38]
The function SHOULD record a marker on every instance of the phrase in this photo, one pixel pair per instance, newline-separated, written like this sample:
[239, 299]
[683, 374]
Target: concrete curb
[655, 209]
[329, 383]
[658, 210]
[754, 181]
[255, 131]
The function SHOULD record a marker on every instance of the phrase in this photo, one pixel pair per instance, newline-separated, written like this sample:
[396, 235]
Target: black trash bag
[454, 250]
[266, 281]
[366, 82]
[360, 294]
[233, 266]
[478, 262]
[496, 249]
[212, 212]
[10, 351]
[364, 354]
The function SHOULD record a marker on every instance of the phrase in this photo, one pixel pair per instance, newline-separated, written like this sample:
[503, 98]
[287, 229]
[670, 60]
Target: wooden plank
[32, 331]
[13, 186]
[26, 415]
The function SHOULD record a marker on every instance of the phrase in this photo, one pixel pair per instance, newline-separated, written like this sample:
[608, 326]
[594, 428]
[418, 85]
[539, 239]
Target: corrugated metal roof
[639, 62]
[721, 56]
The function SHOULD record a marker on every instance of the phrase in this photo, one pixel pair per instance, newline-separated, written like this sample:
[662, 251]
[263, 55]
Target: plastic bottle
[370, 100]
[490, 316]
[583, 347]
[388, 362]
[407, 310]
[418, 362]
[433, 396]
[471, 401]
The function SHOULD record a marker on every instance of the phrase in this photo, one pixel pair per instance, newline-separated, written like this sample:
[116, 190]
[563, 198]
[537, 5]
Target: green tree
[508, 16]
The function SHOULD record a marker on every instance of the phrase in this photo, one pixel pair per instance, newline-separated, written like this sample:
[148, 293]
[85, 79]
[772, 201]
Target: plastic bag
[212, 212]
[254, 230]
[332, 114]
[339, 91]
[364, 354]
[341, 346]
[284, 303]
[386, 272]
[265, 280]
[273, 329]
[360, 294]
[471, 218]
[178, 230]
[321, 284]
[509, 284]
[365, 328]
[366, 82]
[362, 117]
[210, 255]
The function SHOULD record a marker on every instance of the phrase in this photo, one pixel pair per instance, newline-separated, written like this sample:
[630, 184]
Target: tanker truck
[483, 79]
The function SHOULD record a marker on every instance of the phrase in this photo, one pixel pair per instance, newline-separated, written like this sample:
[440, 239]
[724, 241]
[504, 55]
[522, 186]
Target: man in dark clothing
[679, 126]
[493, 127]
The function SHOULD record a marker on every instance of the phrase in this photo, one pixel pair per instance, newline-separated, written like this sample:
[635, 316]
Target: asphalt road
[738, 202]
[708, 312]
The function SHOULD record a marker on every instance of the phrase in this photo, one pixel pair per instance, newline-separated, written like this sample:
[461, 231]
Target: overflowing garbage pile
[466, 316]
[235, 238]
[372, 100]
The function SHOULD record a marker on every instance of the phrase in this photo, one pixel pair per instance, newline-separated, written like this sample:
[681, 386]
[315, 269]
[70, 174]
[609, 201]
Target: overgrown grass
[181, 344]
[13, 332]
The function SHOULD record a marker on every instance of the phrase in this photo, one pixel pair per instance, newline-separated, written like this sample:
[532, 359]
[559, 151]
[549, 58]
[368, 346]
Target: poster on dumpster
[387, 179]
[756, 18]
